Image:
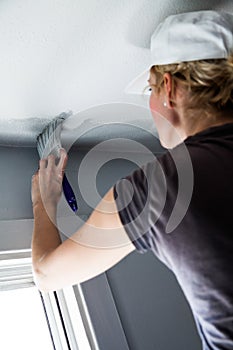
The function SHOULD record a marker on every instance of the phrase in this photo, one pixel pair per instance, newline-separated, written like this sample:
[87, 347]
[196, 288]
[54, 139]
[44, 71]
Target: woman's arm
[97, 246]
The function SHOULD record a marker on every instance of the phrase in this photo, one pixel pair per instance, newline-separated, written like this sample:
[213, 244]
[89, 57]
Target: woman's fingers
[49, 187]
[43, 163]
[63, 160]
[35, 189]
[51, 162]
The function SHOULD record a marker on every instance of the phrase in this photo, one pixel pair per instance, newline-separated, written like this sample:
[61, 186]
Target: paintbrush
[49, 142]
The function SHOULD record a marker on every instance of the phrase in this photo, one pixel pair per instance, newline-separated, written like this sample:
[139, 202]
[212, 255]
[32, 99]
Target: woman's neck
[193, 124]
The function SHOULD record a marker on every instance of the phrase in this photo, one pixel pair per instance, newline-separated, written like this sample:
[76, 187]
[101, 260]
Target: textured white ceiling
[74, 55]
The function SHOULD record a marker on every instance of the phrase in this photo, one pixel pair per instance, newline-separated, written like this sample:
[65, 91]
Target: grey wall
[151, 305]
[147, 299]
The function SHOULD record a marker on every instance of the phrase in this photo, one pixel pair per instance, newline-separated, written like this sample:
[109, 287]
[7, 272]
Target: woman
[191, 82]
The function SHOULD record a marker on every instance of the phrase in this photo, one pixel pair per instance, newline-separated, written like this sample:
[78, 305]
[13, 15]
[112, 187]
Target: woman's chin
[170, 143]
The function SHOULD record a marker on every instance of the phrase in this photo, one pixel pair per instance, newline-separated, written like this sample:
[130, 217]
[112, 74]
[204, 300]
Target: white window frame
[63, 314]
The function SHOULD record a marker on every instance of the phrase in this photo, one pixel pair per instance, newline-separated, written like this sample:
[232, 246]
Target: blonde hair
[209, 83]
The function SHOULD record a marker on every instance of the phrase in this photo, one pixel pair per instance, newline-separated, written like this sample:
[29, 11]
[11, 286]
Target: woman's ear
[168, 89]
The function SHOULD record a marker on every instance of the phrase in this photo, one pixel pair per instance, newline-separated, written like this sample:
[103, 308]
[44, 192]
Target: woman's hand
[47, 182]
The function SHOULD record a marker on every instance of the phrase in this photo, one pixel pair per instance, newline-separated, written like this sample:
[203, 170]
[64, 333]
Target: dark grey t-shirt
[180, 207]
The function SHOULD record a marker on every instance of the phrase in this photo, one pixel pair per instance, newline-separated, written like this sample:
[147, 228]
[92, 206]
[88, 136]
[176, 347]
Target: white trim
[85, 313]
[16, 272]
[72, 319]
[54, 321]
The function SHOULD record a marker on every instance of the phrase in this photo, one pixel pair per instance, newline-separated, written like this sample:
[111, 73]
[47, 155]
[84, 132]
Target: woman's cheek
[154, 104]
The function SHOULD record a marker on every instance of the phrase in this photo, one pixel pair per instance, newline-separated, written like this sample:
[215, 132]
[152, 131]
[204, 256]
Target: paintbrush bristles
[49, 141]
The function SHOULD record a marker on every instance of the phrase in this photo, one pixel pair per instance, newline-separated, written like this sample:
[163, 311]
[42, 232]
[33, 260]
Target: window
[22, 322]
[33, 320]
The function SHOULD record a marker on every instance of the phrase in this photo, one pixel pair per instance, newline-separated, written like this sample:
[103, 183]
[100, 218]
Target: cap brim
[138, 85]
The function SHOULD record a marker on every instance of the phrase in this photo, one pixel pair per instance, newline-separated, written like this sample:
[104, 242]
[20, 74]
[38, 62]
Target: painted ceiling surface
[76, 55]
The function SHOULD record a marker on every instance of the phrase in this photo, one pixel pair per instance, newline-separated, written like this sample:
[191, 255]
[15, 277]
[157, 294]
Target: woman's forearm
[45, 233]
[46, 192]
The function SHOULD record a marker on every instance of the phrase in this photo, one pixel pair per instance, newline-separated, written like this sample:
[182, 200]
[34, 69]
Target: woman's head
[191, 71]
[190, 96]
[207, 84]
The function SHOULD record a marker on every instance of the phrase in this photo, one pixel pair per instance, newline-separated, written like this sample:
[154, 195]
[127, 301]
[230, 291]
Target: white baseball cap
[188, 37]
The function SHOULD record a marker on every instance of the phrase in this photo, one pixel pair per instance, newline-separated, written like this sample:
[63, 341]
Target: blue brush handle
[69, 194]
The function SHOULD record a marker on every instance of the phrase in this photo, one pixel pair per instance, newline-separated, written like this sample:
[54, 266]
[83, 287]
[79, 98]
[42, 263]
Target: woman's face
[155, 98]
[158, 110]
[163, 116]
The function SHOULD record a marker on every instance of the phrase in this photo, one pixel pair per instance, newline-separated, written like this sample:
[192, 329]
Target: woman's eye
[148, 90]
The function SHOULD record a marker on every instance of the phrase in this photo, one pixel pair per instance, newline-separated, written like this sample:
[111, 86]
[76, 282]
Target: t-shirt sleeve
[140, 199]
